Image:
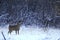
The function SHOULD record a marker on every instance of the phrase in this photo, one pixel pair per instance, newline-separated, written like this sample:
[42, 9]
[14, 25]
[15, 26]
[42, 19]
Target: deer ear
[20, 21]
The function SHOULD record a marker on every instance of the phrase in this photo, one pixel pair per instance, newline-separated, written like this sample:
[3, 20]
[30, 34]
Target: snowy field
[31, 34]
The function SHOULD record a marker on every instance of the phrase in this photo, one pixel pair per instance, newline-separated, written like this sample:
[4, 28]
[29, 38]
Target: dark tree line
[30, 11]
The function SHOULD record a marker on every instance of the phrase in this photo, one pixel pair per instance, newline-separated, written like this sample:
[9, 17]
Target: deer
[15, 28]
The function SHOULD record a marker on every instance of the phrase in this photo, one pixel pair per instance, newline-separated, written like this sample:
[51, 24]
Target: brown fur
[15, 28]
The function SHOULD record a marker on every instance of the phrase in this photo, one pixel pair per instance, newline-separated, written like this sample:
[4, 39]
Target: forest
[31, 12]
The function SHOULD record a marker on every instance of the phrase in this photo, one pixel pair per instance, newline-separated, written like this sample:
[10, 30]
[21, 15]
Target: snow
[31, 34]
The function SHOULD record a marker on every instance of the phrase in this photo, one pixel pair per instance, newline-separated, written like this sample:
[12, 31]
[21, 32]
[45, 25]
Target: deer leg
[46, 24]
[9, 32]
[18, 31]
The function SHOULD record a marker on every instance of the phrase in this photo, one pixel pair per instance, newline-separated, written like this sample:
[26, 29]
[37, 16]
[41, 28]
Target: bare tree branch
[3, 36]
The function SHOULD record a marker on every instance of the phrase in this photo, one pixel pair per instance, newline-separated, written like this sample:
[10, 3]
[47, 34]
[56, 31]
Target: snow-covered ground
[31, 34]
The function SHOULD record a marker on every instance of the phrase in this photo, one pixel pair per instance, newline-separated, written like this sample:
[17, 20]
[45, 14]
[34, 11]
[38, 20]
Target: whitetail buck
[15, 27]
